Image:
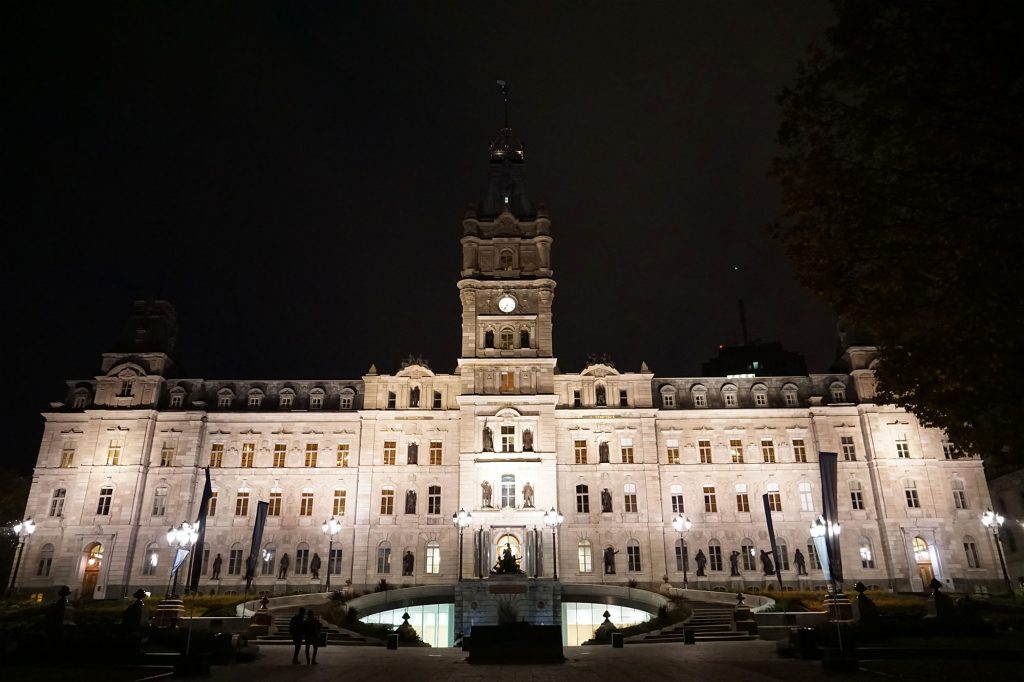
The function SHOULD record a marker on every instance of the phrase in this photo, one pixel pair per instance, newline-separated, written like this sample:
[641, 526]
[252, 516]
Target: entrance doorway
[91, 574]
[923, 558]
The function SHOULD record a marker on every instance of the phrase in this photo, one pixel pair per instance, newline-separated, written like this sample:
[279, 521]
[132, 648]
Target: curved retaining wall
[756, 602]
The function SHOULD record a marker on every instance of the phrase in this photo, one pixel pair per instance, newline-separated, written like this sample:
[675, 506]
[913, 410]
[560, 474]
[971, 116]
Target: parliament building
[506, 437]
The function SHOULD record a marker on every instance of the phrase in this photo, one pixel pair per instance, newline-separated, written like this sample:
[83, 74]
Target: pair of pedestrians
[304, 628]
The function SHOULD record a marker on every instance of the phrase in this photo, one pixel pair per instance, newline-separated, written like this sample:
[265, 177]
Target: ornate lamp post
[24, 530]
[994, 522]
[181, 538]
[461, 520]
[682, 524]
[553, 519]
[330, 528]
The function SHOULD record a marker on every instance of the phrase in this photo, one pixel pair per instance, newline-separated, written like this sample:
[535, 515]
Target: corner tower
[506, 287]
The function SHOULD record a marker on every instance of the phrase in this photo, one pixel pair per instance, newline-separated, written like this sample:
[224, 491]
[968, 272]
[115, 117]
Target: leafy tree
[13, 496]
[903, 192]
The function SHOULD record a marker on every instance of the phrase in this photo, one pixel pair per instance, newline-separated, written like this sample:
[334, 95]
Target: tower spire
[504, 95]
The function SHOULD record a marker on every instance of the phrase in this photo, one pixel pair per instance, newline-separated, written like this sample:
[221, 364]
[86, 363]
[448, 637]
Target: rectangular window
[790, 397]
[813, 556]
[626, 450]
[623, 398]
[343, 452]
[235, 562]
[280, 454]
[434, 499]
[387, 502]
[856, 496]
[334, 560]
[760, 399]
[286, 401]
[217, 455]
[577, 401]
[167, 455]
[910, 491]
[742, 500]
[212, 509]
[311, 453]
[160, 502]
[176, 400]
[972, 555]
[866, 558]
[103, 505]
[902, 448]
[947, 451]
[339, 503]
[224, 401]
[668, 399]
[678, 506]
[67, 456]
[345, 402]
[391, 400]
[749, 557]
[508, 491]
[248, 455]
[672, 452]
[433, 558]
[774, 497]
[799, 450]
[46, 563]
[384, 559]
[849, 451]
[730, 401]
[585, 557]
[704, 448]
[114, 452]
[783, 556]
[436, 452]
[508, 381]
[390, 452]
[508, 439]
[274, 504]
[736, 451]
[582, 499]
[629, 498]
[768, 450]
[437, 406]
[710, 499]
[959, 498]
[700, 400]
[316, 401]
[302, 561]
[580, 446]
[681, 552]
[306, 504]
[633, 557]
[242, 503]
[715, 557]
[57, 502]
[806, 498]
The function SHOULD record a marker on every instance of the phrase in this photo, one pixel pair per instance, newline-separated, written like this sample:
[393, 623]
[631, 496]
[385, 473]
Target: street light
[330, 528]
[181, 538]
[23, 529]
[461, 520]
[682, 524]
[994, 522]
[553, 519]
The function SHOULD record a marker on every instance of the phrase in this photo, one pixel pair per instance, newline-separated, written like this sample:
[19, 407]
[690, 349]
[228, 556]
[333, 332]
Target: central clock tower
[506, 287]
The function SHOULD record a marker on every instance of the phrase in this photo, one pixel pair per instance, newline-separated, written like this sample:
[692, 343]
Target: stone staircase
[707, 624]
[336, 636]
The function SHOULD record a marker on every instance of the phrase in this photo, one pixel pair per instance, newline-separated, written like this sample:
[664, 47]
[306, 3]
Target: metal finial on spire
[504, 94]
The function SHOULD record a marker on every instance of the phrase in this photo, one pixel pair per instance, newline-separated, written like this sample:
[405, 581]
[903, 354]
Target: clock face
[506, 304]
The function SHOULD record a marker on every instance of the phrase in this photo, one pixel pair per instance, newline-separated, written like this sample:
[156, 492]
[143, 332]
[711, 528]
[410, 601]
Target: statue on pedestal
[412, 455]
[314, 566]
[766, 563]
[282, 571]
[528, 496]
[606, 500]
[488, 440]
[485, 494]
[414, 397]
[527, 440]
[702, 561]
[798, 559]
[734, 567]
[410, 502]
[609, 560]
[407, 562]
[602, 452]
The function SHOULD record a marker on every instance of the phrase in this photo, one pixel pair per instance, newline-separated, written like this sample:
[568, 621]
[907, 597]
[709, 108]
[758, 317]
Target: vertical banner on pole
[204, 508]
[828, 467]
[257, 540]
[771, 538]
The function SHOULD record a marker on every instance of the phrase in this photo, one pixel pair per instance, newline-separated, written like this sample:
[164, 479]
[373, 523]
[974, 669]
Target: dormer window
[789, 395]
[505, 258]
[285, 398]
[316, 399]
[126, 389]
[700, 395]
[347, 398]
[838, 392]
[224, 397]
[668, 396]
[80, 399]
[391, 400]
[255, 398]
[729, 392]
[177, 397]
[760, 393]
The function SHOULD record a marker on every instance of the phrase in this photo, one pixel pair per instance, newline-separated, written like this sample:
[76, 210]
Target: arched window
[682, 556]
[384, 557]
[633, 564]
[600, 396]
[80, 398]
[255, 398]
[57, 502]
[714, 554]
[347, 398]
[783, 557]
[760, 393]
[489, 338]
[971, 552]
[45, 561]
[302, 558]
[224, 397]
[668, 395]
[433, 557]
[267, 559]
[921, 553]
[867, 557]
[524, 338]
[729, 395]
[316, 399]
[812, 555]
[150, 559]
[507, 339]
[790, 395]
[177, 397]
[585, 555]
[235, 559]
[959, 494]
[285, 398]
[505, 260]
[748, 554]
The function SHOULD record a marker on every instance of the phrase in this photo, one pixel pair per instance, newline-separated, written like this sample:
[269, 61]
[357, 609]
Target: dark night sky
[293, 177]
